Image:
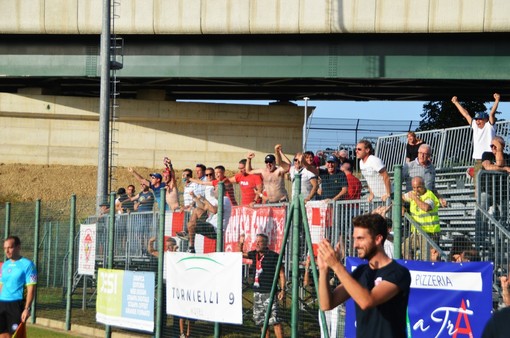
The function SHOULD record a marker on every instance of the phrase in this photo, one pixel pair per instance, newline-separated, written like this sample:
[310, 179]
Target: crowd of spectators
[327, 177]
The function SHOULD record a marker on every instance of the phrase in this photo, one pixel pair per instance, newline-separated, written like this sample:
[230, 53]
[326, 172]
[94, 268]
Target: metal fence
[475, 226]
[52, 253]
[53, 245]
[492, 235]
[451, 147]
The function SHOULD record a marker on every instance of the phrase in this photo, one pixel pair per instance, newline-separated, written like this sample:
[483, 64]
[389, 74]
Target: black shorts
[10, 316]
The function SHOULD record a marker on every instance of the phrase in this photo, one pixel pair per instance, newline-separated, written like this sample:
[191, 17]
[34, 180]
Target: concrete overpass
[262, 49]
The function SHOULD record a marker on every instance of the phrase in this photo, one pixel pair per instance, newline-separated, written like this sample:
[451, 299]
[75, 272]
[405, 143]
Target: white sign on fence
[205, 286]
[87, 249]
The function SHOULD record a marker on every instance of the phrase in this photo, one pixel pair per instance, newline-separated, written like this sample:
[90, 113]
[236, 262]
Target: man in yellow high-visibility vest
[424, 206]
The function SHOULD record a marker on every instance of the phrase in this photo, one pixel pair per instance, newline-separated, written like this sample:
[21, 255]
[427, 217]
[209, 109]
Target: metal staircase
[116, 64]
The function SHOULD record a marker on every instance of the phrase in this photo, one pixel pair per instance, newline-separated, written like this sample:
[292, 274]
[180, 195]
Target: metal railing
[451, 147]
[419, 245]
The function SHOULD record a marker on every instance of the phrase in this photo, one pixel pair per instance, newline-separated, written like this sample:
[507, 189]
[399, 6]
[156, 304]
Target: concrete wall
[256, 16]
[64, 130]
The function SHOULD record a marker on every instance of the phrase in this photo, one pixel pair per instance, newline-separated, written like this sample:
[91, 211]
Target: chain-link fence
[473, 226]
[132, 232]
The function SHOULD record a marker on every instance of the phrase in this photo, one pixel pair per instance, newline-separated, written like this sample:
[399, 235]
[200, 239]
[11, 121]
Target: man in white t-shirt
[374, 171]
[483, 132]
[309, 184]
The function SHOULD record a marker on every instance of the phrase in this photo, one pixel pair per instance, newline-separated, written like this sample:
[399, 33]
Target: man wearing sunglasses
[496, 159]
[374, 171]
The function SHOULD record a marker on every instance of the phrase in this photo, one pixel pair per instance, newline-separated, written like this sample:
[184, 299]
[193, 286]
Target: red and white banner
[319, 215]
[252, 221]
[174, 223]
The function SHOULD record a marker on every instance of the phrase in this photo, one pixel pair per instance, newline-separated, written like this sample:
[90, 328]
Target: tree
[443, 114]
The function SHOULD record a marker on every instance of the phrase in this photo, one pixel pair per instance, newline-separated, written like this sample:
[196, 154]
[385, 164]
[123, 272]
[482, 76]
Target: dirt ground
[27, 182]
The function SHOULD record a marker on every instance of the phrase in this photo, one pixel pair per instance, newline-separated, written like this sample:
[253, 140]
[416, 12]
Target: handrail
[423, 234]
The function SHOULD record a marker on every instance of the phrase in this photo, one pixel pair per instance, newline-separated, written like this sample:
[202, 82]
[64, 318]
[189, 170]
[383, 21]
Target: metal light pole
[305, 120]
[104, 108]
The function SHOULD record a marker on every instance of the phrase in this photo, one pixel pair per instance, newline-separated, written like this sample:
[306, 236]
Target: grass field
[39, 332]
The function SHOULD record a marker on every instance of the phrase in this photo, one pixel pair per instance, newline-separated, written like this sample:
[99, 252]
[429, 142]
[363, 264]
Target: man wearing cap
[155, 184]
[333, 181]
[273, 177]
[483, 132]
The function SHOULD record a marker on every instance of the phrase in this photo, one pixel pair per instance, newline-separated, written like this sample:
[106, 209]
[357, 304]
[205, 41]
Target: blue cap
[332, 158]
[157, 175]
[481, 116]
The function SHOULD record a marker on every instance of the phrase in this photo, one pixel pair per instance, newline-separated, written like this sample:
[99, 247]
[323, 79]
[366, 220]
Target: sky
[366, 110]
[372, 110]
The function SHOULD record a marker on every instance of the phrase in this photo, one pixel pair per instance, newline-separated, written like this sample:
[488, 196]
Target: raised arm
[462, 111]
[139, 177]
[281, 159]
[492, 114]
[249, 156]
[365, 298]
[170, 182]
[249, 169]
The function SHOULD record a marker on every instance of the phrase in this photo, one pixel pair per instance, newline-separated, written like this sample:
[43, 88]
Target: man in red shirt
[251, 185]
[353, 183]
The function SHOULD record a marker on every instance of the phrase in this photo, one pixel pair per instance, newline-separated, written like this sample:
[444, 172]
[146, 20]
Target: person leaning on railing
[496, 159]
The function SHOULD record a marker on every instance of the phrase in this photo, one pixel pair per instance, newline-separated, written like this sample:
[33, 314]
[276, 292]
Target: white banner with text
[205, 286]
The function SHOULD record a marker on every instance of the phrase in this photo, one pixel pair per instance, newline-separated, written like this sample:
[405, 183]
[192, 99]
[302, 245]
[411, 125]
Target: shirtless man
[273, 177]
[172, 194]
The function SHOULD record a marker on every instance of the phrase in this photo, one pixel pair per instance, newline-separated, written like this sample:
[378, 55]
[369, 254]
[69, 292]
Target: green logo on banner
[109, 292]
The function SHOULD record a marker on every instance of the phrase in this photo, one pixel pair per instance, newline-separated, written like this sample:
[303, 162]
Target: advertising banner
[446, 299]
[205, 286]
[125, 299]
